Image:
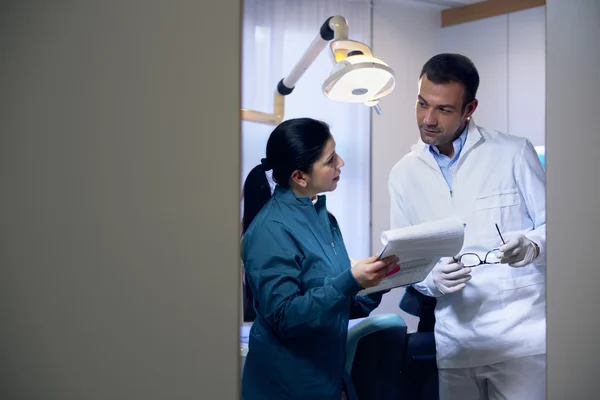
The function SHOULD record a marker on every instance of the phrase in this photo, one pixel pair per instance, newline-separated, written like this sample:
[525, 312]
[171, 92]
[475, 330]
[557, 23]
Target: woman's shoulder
[265, 239]
[270, 216]
[268, 224]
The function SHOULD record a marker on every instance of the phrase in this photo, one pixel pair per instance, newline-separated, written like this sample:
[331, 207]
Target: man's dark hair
[449, 67]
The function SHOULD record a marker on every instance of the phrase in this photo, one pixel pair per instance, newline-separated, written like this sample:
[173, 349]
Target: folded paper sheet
[419, 248]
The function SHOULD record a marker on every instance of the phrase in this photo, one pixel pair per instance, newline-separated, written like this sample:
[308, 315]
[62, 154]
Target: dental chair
[375, 352]
[420, 367]
[384, 361]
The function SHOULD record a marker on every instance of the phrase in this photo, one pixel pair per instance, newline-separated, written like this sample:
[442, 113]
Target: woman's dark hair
[449, 67]
[295, 144]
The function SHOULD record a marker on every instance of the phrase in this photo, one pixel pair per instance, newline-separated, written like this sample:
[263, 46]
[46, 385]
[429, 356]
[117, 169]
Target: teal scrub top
[298, 270]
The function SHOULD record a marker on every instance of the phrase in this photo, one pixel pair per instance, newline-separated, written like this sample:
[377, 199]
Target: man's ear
[300, 178]
[470, 108]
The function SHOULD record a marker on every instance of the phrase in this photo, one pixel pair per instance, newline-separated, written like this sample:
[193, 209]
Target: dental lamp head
[356, 77]
[359, 77]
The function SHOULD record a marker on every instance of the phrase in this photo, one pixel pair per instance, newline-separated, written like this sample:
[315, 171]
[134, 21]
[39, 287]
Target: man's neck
[447, 149]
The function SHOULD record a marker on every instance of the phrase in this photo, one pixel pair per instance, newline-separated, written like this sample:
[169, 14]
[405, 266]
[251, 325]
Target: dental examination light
[356, 77]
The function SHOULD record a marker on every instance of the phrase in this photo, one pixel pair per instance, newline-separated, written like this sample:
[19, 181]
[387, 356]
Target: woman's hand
[369, 272]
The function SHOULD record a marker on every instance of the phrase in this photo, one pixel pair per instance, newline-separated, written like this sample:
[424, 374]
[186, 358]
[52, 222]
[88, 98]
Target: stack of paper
[419, 248]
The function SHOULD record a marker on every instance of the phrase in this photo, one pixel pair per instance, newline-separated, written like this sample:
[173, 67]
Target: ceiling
[437, 3]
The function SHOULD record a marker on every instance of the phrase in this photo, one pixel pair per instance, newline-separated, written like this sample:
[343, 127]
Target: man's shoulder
[407, 161]
[497, 138]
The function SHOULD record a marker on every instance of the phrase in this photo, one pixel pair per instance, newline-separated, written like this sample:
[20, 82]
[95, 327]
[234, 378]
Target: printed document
[419, 248]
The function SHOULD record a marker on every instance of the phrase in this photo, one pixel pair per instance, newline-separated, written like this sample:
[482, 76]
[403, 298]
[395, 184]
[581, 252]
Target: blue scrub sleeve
[274, 269]
[362, 306]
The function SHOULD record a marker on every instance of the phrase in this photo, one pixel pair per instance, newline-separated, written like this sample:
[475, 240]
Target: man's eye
[422, 105]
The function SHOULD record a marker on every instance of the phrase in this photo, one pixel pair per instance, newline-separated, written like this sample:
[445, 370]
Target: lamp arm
[333, 28]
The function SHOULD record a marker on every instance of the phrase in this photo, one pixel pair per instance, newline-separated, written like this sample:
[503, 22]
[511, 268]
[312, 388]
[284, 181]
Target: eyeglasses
[473, 260]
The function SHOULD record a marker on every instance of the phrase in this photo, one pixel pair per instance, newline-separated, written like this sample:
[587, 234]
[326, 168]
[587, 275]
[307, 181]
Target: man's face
[440, 113]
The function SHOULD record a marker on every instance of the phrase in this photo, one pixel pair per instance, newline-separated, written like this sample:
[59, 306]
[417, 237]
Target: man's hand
[518, 251]
[450, 276]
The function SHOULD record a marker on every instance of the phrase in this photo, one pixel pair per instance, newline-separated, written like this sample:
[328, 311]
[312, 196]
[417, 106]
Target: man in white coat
[490, 325]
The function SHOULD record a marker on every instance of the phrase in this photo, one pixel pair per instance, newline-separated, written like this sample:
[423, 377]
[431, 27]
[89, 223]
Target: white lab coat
[498, 178]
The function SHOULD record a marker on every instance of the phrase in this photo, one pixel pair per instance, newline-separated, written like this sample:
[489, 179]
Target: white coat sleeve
[399, 219]
[531, 181]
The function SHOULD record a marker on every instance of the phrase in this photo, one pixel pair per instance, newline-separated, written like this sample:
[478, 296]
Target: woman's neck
[301, 193]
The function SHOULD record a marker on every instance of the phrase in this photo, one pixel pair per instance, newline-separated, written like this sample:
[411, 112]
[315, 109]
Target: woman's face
[325, 173]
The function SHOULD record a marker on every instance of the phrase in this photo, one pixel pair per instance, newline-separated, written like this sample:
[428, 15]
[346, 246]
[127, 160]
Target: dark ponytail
[257, 192]
[295, 144]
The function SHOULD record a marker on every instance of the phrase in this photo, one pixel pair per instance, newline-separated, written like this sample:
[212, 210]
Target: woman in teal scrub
[298, 271]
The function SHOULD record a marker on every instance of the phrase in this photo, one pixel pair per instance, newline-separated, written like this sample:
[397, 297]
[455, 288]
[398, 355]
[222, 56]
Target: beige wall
[573, 189]
[119, 171]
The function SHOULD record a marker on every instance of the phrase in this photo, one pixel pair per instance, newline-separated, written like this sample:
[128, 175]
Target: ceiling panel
[438, 3]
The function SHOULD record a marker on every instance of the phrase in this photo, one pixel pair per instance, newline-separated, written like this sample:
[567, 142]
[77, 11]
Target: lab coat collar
[473, 136]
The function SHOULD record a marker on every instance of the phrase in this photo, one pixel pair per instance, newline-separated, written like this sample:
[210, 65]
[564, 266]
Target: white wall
[485, 43]
[119, 240]
[405, 36]
[509, 52]
[527, 74]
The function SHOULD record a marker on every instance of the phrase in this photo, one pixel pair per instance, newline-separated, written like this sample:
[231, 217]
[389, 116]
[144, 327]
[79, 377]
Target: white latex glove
[450, 276]
[518, 251]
